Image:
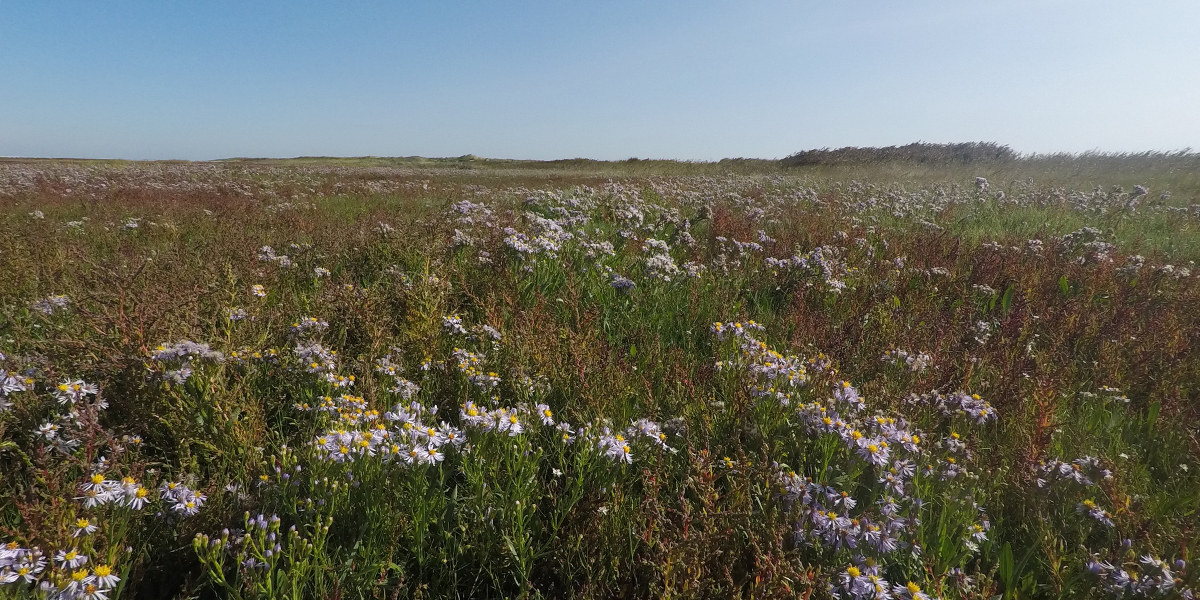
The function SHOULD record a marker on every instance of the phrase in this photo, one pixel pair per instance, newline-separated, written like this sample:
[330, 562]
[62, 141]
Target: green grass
[1078, 353]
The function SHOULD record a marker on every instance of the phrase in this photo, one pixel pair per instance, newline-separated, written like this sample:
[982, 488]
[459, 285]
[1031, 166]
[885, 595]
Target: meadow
[412, 378]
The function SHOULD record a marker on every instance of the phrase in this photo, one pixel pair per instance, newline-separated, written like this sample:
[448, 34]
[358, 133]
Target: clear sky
[688, 79]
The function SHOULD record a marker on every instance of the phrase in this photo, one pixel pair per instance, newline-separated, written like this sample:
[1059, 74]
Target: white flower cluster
[51, 304]
[913, 362]
[183, 355]
[1084, 471]
[308, 325]
[659, 264]
[958, 403]
[267, 254]
[771, 373]
[1150, 578]
[453, 325]
[471, 364]
[823, 259]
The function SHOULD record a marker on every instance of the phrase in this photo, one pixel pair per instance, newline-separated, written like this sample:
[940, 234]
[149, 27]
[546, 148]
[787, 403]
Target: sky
[602, 79]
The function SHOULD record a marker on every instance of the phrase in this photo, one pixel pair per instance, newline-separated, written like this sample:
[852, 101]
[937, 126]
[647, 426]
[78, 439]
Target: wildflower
[258, 291]
[911, 591]
[854, 583]
[878, 588]
[622, 284]
[621, 453]
[105, 577]
[450, 435]
[977, 534]
[566, 434]
[91, 591]
[846, 394]
[70, 392]
[51, 304]
[96, 482]
[432, 455]
[70, 559]
[875, 452]
[137, 498]
[545, 414]
[453, 325]
[83, 527]
[841, 499]
[1103, 516]
[187, 502]
[307, 324]
[510, 423]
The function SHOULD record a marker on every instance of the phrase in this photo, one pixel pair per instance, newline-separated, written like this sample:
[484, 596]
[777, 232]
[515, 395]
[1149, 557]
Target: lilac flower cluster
[405, 438]
[915, 362]
[1151, 577]
[824, 260]
[772, 374]
[471, 364]
[183, 356]
[267, 254]
[958, 403]
[51, 304]
[1084, 471]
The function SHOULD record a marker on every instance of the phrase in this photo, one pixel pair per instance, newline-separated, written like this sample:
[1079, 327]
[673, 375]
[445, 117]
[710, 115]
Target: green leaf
[1006, 569]
[1152, 414]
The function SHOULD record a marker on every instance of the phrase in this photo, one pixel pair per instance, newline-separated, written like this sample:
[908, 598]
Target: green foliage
[1035, 373]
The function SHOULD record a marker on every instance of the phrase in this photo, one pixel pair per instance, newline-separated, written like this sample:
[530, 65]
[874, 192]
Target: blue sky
[694, 79]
